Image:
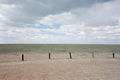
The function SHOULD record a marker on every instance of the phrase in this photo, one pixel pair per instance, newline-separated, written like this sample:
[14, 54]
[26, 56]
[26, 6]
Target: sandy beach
[60, 67]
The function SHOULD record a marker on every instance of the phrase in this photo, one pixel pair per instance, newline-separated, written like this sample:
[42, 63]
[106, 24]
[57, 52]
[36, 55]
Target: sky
[60, 21]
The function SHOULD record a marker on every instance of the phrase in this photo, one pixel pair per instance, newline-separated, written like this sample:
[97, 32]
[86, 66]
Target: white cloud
[5, 9]
[64, 18]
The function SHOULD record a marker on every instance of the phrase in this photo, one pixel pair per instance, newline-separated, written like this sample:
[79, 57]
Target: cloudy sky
[60, 21]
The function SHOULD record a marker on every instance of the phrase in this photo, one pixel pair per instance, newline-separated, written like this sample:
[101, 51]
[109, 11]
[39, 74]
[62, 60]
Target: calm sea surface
[58, 48]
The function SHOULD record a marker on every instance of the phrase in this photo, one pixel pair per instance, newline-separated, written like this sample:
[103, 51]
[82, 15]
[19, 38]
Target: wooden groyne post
[92, 54]
[49, 55]
[70, 55]
[22, 57]
[113, 55]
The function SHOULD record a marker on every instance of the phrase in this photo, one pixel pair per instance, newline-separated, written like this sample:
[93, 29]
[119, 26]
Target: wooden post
[49, 56]
[70, 55]
[22, 57]
[113, 55]
[92, 54]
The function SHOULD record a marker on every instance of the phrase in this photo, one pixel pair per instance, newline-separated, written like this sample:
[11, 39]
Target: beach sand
[59, 67]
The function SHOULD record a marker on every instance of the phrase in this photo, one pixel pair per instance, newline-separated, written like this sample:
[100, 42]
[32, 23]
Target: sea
[59, 48]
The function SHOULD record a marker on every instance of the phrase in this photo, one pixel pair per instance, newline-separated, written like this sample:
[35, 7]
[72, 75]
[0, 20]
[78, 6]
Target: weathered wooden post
[113, 55]
[22, 57]
[49, 56]
[92, 54]
[70, 55]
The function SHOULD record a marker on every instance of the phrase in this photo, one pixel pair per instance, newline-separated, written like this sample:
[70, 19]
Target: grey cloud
[32, 9]
[106, 14]
[46, 7]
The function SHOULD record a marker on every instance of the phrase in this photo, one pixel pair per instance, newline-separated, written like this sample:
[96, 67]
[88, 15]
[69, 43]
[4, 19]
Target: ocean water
[58, 48]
